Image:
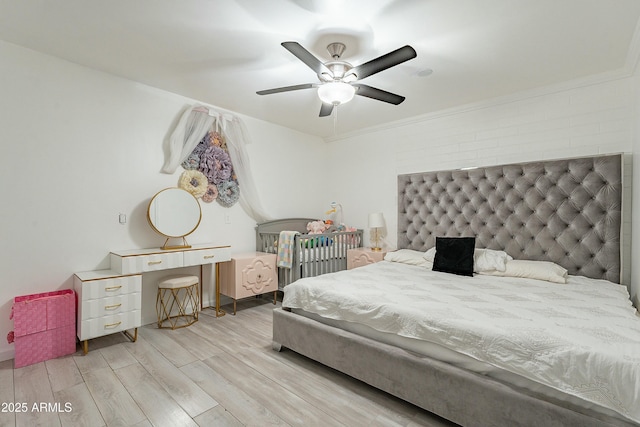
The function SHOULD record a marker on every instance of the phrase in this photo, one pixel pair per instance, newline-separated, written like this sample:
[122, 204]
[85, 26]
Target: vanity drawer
[105, 325]
[110, 306]
[206, 256]
[108, 287]
[148, 262]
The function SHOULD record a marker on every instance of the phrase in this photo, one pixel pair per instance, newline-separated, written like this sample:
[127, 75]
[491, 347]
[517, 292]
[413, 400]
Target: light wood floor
[217, 372]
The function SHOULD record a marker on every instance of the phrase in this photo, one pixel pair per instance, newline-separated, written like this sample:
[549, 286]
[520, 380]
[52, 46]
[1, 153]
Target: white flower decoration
[193, 181]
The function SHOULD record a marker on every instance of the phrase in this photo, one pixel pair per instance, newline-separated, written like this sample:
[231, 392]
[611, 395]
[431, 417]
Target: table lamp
[376, 222]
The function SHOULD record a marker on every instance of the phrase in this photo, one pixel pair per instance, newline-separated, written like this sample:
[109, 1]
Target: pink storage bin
[44, 326]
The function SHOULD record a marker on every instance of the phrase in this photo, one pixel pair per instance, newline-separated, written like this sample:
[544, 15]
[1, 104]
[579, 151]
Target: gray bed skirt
[461, 396]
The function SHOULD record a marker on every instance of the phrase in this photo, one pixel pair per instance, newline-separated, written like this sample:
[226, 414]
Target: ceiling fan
[339, 79]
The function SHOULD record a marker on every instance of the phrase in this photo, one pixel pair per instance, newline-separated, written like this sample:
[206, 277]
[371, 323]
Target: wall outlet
[122, 218]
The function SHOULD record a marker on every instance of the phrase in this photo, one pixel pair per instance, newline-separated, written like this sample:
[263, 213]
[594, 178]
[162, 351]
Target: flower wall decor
[211, 159]
[193, 181]
[228, 193]
[211, 194]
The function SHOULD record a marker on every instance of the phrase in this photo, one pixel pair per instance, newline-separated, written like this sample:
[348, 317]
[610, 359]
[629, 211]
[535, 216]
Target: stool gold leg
[183, 300]
[275, 296]
[85, 346]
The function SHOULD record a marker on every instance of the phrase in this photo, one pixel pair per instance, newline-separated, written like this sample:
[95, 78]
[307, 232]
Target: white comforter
[582, 338]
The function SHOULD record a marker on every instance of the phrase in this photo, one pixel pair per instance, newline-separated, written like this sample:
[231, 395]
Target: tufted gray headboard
[564, 211]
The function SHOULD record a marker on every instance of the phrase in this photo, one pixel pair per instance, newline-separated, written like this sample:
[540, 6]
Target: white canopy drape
[193, 126]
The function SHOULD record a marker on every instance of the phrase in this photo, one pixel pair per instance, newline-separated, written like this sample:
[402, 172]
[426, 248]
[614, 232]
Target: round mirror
[174, 212]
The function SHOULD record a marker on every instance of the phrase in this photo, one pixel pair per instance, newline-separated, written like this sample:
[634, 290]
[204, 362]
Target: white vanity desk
[110, 300]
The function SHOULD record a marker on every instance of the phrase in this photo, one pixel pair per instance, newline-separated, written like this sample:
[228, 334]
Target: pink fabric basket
[44, 326]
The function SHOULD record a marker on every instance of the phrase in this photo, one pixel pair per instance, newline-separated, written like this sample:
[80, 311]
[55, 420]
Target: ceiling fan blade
[305, 56]
[383, 62]
[377, 94]
[326, 109]
[287, 88]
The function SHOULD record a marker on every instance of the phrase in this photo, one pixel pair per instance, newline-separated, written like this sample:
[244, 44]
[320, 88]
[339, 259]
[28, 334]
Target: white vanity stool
[181, 293]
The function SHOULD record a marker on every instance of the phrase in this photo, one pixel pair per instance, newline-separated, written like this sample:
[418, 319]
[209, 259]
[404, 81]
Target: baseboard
[7, 354]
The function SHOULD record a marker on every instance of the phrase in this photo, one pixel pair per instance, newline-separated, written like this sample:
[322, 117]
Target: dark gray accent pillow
[454, 255]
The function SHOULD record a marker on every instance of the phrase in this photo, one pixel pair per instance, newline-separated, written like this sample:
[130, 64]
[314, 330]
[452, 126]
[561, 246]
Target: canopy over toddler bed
[566, 212]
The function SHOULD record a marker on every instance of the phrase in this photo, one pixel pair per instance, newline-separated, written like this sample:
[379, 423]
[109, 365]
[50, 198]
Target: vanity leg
[201, 280]
[275, 296]
[219, 312]
[85, 346]
[132, 338]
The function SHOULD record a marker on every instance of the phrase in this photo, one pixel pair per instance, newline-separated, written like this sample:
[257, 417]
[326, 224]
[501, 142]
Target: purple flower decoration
[207, 139]
[215, 163]
[201, 147]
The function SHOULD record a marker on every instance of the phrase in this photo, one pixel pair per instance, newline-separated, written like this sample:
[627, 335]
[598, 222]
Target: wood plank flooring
[217, 372]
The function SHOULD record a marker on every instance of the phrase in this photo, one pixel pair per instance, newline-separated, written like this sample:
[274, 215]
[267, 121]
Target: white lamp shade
[376, 220]
[336, 93]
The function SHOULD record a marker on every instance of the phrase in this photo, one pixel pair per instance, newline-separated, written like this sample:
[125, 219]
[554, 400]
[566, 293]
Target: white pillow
[430, 255]
[408, 256]
[489, 260]
[540, 270]
[483, 259]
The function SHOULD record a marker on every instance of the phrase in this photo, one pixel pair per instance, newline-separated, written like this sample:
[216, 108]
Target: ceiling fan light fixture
[336, 93]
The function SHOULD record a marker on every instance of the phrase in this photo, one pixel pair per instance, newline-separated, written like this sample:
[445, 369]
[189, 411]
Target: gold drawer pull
[209, 256]
[112, 325]
[112, 307]
[112, 288]
[154, 262]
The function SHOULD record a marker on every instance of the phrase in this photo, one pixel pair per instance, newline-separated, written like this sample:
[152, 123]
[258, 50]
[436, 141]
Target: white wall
[561, 122]
[78, 147]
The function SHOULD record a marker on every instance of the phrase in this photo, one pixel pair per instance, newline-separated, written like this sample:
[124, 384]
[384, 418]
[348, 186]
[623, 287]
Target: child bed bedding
[577, 342]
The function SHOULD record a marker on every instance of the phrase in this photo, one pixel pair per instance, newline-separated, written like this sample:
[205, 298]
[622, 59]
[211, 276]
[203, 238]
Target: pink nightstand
[247, 275]
[363, 256]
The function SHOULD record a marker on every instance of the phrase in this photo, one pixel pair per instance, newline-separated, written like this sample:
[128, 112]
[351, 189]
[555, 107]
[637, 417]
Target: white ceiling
[222, 51]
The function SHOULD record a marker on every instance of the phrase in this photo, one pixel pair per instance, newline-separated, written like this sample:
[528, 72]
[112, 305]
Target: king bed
[540, 333]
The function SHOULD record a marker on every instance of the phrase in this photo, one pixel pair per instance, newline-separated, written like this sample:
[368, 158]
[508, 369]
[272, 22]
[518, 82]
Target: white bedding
[582, 338]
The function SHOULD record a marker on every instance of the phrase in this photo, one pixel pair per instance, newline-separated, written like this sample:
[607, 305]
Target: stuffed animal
[317, 227]
[344, 228]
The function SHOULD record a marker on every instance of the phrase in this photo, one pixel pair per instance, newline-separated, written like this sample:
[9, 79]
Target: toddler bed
[312, 254]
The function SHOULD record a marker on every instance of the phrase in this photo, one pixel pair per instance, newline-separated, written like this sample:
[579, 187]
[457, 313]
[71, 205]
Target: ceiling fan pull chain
[335, 120]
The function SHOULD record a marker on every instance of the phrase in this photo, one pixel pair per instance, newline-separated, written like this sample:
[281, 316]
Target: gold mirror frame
[174, 213]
